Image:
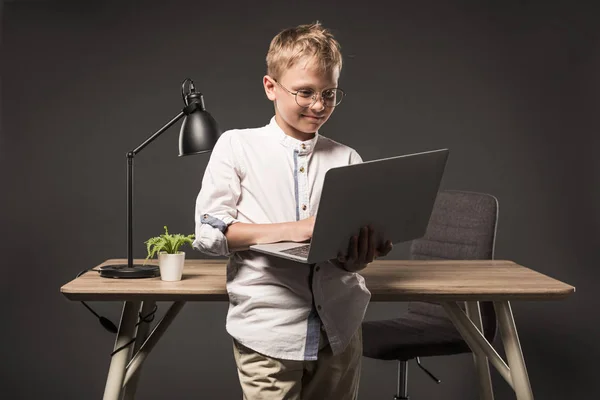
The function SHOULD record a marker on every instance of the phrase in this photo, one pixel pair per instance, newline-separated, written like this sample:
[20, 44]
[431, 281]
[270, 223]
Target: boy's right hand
[302, 230]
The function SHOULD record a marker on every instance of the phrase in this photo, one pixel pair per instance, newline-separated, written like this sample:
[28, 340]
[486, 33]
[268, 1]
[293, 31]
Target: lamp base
[129, 272]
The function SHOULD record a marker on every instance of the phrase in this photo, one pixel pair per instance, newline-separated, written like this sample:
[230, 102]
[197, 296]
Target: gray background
[511, 87]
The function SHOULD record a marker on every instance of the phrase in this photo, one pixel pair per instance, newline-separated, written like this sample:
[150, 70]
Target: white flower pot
[171, 266]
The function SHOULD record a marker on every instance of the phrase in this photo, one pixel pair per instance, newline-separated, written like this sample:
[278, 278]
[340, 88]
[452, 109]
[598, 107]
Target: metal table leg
[475, 339]
[512, 347]
[140, 336]
[119, 360]
[482, 365]
[160, 328]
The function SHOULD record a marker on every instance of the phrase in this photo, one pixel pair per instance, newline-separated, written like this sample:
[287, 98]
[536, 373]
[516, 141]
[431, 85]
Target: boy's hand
[362, 251]
[302, 230]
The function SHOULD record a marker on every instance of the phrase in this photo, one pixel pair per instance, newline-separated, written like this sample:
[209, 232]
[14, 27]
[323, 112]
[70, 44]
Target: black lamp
[199, 133]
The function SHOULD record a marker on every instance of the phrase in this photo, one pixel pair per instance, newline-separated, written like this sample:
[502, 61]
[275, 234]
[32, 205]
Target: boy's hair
[293, 44]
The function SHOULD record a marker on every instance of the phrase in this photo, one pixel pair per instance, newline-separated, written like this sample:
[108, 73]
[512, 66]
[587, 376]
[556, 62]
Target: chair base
[401, 393]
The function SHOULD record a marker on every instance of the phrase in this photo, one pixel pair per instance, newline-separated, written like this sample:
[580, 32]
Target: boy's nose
[318, 100]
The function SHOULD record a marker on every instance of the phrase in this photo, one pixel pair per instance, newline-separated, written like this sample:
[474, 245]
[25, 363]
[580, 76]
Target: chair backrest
[462, 227]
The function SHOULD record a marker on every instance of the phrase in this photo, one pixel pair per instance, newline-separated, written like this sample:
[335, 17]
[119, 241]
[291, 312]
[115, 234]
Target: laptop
[394, 195]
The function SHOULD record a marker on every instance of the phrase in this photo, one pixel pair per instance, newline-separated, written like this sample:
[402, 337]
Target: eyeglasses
[307, 97]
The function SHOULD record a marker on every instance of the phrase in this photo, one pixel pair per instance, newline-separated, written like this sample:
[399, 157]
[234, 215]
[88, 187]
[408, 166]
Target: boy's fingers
[363, 245]
[383, 251]
[388, 247]
[371, 246]
[352, 250]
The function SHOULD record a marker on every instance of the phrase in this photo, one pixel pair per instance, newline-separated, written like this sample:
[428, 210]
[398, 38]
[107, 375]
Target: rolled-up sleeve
[355, 158]
[216, 204]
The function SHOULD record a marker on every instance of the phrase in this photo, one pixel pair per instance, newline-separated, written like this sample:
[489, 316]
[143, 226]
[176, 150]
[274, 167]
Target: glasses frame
[315, 96]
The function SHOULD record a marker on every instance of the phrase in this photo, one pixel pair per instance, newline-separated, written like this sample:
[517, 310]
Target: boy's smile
[313, 119]
[301, 122]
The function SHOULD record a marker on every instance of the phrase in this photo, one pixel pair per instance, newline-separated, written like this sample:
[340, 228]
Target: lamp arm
[187, 110]
[130, 155]
[155, 135]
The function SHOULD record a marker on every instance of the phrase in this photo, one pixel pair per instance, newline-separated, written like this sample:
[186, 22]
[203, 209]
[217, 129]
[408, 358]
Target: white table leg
[160, 328]
[475, 339]
[482, 365]
[140, 336]
[118, 362]
[512, 347]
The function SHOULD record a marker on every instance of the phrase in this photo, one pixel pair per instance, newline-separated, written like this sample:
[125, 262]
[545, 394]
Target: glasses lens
[330, 97]
[304, 98]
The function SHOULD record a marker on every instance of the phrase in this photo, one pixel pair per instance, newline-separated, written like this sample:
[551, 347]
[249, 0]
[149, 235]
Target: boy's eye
[329, 94]
[305, 93]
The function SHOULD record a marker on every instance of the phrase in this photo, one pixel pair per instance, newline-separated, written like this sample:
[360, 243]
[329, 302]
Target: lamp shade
[199, 130]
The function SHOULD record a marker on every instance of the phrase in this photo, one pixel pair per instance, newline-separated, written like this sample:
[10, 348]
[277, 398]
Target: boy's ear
[269, 85]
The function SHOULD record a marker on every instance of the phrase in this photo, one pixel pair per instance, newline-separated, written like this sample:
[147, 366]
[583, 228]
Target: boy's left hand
[362, 251]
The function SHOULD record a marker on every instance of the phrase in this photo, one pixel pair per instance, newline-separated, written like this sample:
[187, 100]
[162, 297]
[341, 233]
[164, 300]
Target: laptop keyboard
[300, 251]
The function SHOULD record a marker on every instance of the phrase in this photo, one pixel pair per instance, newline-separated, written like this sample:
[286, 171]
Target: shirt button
[317, 268]
[303, 207]
[303, 146]
[301, 169]
[318, 307]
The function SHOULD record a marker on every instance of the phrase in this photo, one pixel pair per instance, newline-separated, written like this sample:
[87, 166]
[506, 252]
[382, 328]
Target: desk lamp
[199, 133]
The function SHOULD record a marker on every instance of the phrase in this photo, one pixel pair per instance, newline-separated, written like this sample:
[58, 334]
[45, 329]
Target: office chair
[462, 227]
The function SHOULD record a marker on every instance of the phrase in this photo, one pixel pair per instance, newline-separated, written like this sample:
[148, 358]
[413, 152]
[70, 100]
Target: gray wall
[510, 87]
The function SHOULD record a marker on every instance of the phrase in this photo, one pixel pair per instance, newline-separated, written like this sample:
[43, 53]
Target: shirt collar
[302, 147]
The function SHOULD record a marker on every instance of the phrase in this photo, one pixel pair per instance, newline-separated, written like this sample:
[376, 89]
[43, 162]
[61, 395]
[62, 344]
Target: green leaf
[168, 243]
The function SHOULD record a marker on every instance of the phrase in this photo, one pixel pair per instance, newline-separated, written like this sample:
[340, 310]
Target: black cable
[83, 272]
[149, 317]
[90, 308]
[143, 318]
[109, 325]
[122, 347]
[105, 322]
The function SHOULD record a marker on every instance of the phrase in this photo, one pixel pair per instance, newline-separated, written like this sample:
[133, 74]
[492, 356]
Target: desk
[447, 282]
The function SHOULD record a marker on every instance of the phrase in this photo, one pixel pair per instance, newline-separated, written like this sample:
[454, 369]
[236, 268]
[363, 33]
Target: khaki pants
[329, 377]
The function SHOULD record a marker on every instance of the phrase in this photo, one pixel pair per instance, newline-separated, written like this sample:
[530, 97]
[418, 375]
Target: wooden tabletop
[388, 280]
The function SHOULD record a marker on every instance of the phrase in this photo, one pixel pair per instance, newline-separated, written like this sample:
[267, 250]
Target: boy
[295, 327]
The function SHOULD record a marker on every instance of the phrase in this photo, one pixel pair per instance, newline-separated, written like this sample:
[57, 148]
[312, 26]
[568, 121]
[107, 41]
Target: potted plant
[170, 258]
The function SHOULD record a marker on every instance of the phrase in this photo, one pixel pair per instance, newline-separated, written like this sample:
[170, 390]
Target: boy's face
[296, 121]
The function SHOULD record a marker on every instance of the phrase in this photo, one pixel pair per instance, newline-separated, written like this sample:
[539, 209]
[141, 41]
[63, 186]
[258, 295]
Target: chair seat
[412, 335]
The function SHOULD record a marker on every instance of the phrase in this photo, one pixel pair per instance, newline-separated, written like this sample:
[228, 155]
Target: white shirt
[277, 306]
